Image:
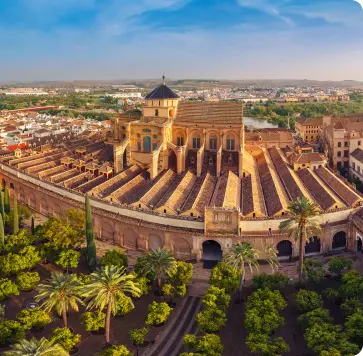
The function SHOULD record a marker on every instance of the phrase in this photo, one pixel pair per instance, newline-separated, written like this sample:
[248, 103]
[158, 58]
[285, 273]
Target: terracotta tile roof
[162, 92]
[12, 148]
[357, 154]
[247, 195]
[310, 121]
[308, 157]
[268, 136]
[206, 112]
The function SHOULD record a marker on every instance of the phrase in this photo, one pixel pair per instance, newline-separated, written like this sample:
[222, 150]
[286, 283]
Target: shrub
[27, 258]
[313, 270]
[265, 345]
[211, 320]
[114, 257]
[11, 331]
[225, 276]
[68, 258]
[331, 293]
[216, 298]
[316, 316]
[93, 321]
[65, 338]
[307, 300]
[350, 306]
[271, 281]
[337, 264]
[208, 344]
[116, 350]
[83, 278]
[137, 336]
[7, 288]
[124, 305]
[27, 281]
[15, 243]
[158, 313]
[30, 257]
[143, 284]
[181, 290]
[33, 318]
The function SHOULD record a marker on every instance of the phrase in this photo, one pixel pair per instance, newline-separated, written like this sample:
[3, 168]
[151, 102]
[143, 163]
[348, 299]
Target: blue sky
[222, 39]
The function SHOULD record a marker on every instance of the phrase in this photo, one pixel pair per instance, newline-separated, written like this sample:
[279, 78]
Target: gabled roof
[357, 154]
[161, 92]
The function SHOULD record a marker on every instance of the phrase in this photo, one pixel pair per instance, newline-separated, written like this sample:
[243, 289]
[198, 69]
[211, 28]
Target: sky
[204, 39]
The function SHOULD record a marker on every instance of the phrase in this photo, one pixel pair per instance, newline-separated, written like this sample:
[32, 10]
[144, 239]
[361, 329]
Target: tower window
[213, 143]
[230, 144]
[156, 112]
[196, 142]
[180, 141]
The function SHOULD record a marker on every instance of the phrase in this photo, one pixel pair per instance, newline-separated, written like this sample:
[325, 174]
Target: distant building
[309, 128]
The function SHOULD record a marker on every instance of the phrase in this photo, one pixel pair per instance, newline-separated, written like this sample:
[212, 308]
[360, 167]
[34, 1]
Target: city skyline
[235, 39]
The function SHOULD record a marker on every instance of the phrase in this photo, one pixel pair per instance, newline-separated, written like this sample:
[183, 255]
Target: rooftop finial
[163, 79]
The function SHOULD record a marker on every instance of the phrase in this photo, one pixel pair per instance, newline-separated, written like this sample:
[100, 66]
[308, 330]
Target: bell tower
[161, 102]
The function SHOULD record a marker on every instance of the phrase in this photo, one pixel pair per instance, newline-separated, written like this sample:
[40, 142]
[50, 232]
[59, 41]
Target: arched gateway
[284, 248]
[339, 240]
[212, 251]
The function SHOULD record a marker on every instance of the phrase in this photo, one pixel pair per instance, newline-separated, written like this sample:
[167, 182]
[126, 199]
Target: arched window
[230, 143]
[180, 141]
[147, 144]
[213, 143]
[196, 142]
[156, 112]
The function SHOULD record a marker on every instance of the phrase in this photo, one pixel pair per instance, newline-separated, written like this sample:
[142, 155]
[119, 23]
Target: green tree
[350, 306]
[307, 300]
[211, 320]
[60, 293]
[2, 232]
[7, 288]
[117, 350]
[225, 276]
[316, 316]
[352, 285]
[33, 226]
[265, 345]
[105, 287]
[68, 258]
[27, 281]
[15, 216]
[2, 206]
[35, 347]
[137, 337]
[354, 327]
[313, 270]
[33, 318]
[337, 264]
[124, 305]
[271, 281]
[93, 321]
[242, 254]
[11, 331]
[114, 257]
[160, 263]
[6, 200]
[90, 239]
[301, 224]
[65, 338]
[182, 274]
[216, 298]
[206, 345]
[158, 313]
[331, 293]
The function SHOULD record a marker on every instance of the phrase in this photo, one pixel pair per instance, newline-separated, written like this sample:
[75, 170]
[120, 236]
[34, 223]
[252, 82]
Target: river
[258, 123]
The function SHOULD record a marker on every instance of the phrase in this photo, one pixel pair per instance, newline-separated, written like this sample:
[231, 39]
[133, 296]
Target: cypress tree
[6, 200]
[91, 245]
[2, 233]
[15, 216]
[2, 209]
[33, 226]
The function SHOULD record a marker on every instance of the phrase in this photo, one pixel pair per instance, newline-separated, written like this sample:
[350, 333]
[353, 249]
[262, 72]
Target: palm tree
[160, 263]
[60, 293]
[106, 286]
[34, 347]
[301, 224]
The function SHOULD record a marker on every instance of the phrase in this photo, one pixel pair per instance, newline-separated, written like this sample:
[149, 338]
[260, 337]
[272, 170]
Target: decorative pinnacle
[163, 79]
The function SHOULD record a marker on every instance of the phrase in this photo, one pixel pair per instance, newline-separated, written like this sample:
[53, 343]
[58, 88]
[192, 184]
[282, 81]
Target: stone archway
[312, 245]
[130, 239]
[339, 240]
[284, 248]
[32, 201]
[43, 208]
[21, 195]
[155, 242]
[211, 251]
